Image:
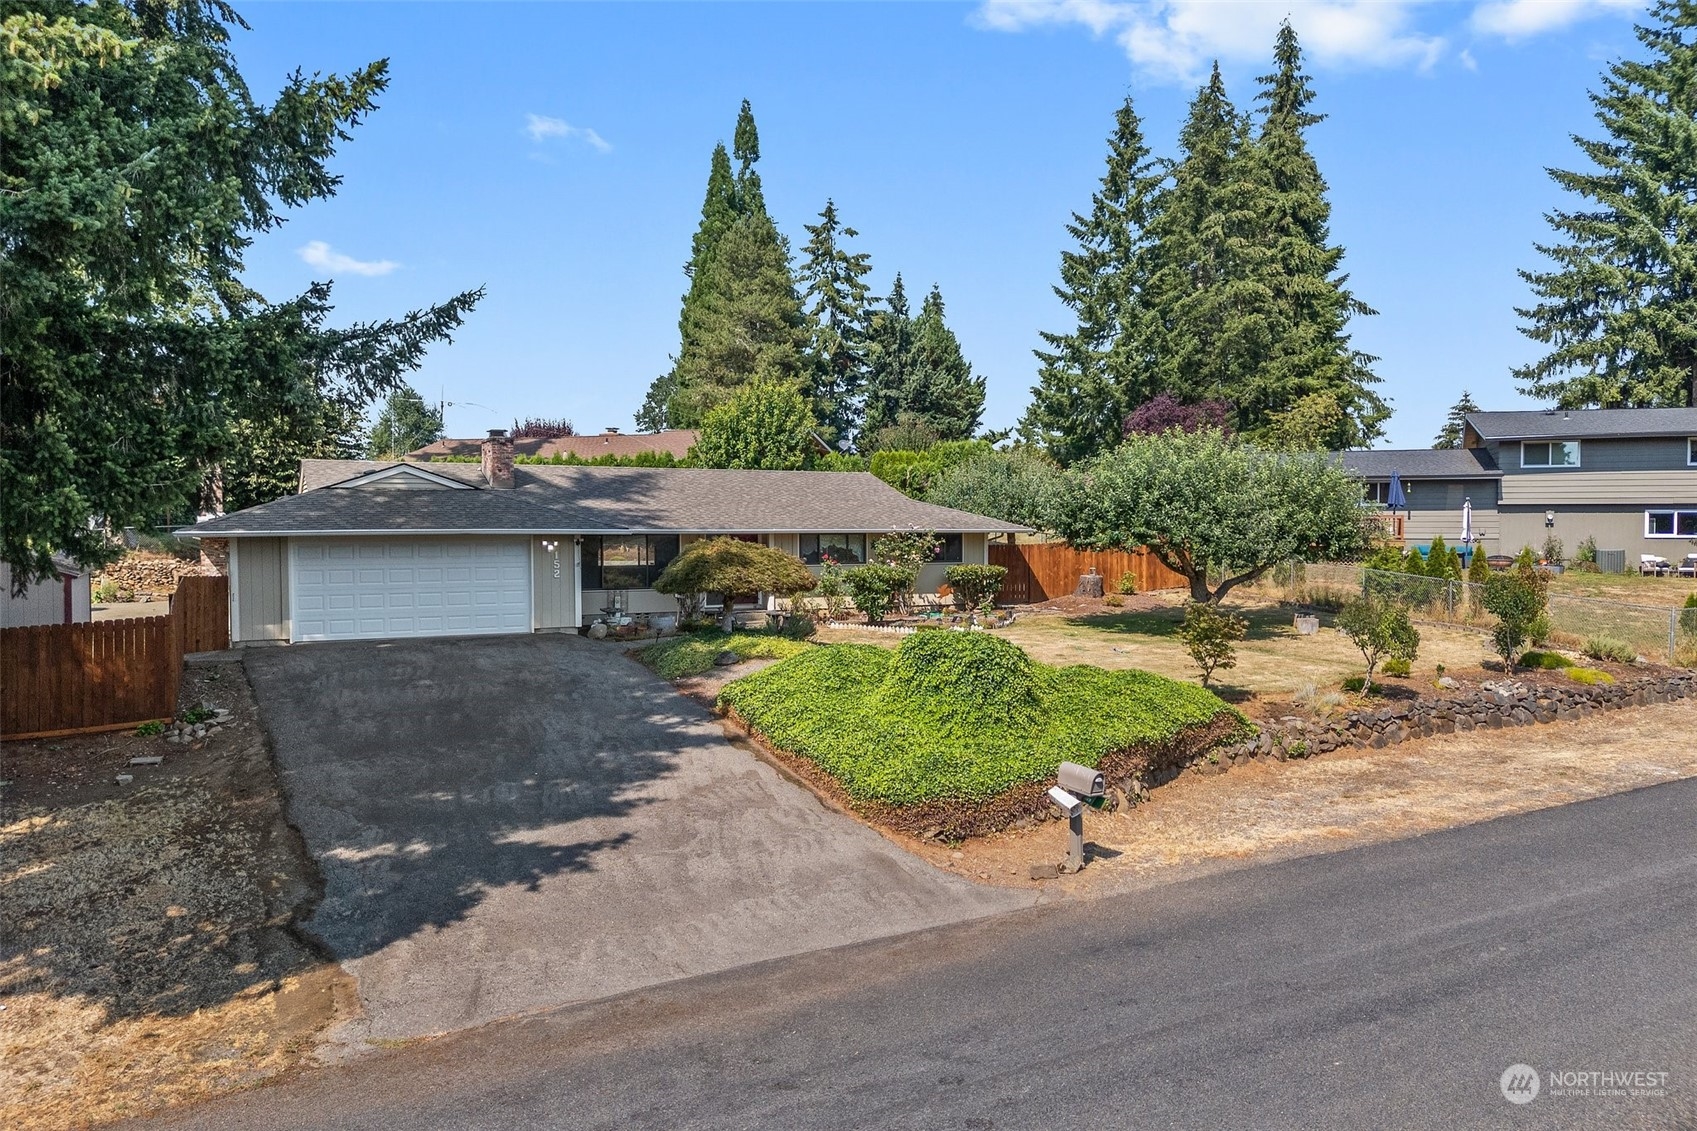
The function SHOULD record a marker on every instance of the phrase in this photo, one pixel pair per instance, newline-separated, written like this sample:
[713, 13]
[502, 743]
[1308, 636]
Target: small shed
[64, 599]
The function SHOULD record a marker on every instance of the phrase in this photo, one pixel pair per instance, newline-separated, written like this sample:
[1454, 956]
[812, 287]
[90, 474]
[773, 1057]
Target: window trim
[1674, 512]
[651, 566]
[1691, 451]
[1578, 455]
[818, 551]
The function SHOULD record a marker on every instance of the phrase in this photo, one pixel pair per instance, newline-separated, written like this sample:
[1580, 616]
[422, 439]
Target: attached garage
[356, 588]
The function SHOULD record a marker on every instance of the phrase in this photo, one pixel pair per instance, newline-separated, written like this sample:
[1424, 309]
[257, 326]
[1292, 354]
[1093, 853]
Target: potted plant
[1552, 559]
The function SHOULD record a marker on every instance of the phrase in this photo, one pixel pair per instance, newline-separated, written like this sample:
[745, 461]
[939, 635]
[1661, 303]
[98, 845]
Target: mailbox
[1069, 805]
[1081, 780]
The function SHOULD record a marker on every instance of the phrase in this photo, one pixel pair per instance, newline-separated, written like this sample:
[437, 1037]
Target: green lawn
[693, 652]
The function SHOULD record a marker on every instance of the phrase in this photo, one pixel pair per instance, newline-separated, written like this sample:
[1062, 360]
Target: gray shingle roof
[1422, 463]
[563, 499]
[1579, 423]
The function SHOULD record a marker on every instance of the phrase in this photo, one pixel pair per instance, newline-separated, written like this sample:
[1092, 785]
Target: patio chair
[1655, 564]
[1688, 567]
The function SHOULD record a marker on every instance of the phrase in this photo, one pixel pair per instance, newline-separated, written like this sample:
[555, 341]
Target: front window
[1670, 524]
[1550, 453]
[630, 561]
[1377, 492]
[844, 549]
[948, 548]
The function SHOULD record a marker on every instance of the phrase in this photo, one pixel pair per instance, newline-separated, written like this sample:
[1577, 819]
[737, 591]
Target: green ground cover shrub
[1589, 675]
[957, 715]
[1548, 661]
[1396, 667]
[1609, 649]
[692, 653]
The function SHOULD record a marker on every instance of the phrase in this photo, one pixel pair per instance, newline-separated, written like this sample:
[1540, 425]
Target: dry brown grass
[1273, 663]
[1271, 810]
[148, 958]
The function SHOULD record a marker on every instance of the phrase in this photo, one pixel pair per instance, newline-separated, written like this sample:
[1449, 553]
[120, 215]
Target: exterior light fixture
[1549, 519]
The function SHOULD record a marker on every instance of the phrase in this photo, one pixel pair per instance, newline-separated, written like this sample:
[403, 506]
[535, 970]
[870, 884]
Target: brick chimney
[498, 459]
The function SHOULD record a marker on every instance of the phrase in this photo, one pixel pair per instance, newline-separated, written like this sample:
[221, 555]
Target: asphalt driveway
[511, 823]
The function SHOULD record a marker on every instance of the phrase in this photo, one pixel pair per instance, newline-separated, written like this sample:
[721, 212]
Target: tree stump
[1090, 585]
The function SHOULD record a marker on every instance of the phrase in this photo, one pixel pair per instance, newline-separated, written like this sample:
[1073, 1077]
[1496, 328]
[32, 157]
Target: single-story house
[1624, 476]
[62, 599]
[675, 442]
[395, 549]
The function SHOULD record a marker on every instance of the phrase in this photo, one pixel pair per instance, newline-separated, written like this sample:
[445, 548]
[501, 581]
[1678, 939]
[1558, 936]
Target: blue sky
[556, 154]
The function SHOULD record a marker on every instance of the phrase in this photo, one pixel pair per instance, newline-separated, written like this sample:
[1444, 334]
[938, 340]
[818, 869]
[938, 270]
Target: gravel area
[147, 951]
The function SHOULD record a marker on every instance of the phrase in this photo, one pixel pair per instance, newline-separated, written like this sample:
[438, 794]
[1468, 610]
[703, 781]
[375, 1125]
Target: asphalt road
[1388, 986]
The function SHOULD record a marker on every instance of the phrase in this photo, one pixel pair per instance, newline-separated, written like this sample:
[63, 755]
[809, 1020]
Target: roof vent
[612, 431]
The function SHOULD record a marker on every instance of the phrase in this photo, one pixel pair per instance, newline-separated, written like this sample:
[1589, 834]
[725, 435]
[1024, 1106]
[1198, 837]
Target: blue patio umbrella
[1396, 500]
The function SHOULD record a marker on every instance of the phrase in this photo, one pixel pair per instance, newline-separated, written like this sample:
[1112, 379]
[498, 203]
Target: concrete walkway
[511, 823]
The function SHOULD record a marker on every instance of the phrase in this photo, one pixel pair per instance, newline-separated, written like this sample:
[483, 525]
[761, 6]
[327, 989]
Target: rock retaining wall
[148, 575]
[1493, 704]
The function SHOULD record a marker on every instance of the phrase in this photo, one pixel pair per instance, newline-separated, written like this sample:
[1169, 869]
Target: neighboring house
[63, 599]
[1624, 476]
[676, 442]
[391, 549]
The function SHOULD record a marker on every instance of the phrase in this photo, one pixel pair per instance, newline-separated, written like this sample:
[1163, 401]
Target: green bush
[1381, 629]
[151, 728]
[1548, 661]
[1610, 650]
[1517, 600]
[730, 566]
[692, 654]
[799, 625]
[831, 589]
[1589, 675]
[1539, 630]
[877, 588]
[1688, 615]
[1208, 633]
[957, 715]
[1359, 683]
[1396, 667]
[975, 586]
[1128, 583]
[106, 593]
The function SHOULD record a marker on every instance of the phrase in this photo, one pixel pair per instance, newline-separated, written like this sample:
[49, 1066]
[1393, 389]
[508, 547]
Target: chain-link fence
[1656, 632]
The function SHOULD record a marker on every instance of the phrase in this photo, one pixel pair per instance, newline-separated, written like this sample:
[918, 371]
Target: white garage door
[357, 588]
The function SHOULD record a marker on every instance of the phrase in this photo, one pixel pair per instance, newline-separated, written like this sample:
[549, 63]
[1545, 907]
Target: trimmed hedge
[693, 653]
[959, 716]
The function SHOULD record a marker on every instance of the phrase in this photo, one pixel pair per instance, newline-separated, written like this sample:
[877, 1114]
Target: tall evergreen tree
[1090, 378]
[732, 196]
[1619, 307]
[751, 323]
[136, 168]
[920, 378]
[1455, 424]
[889, 358]
[1309, 304]
[838, 311]
[1208, 289]
[406, 422]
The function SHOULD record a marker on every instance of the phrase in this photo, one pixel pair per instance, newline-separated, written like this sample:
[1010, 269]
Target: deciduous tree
[1202, 500]
[765, 425]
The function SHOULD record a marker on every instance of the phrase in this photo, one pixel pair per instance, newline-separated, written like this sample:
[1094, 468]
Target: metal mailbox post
[1077, 783]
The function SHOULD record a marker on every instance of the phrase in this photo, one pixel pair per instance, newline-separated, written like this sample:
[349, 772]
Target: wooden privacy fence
[111, 674]
[1042, 571]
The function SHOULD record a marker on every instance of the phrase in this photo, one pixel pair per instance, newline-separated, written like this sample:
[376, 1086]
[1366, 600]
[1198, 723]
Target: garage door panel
[355, 588]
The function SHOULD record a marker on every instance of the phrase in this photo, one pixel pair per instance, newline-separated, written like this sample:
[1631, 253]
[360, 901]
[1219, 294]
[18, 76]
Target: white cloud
[1516, 19]
[320, 254]
[541, 127]
[1175, 39]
